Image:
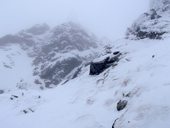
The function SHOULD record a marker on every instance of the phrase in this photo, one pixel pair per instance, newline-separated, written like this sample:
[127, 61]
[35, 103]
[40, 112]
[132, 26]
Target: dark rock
[53, 74]
[30, 109]
[98, 67]
[116, 53]
[154, 15]
[25, 111]
[37, 81]
[127, 95]
[151, 35]
[113, 126]
[77, 72]
[7, 66]
[121, 105]
[65, 82]
[1, 91]
[14, 96]
[48, 84]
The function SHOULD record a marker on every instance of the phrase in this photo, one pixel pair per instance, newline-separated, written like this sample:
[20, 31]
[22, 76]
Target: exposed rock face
[98, 67]
[54, 74]
[65, 52]
[152, 24]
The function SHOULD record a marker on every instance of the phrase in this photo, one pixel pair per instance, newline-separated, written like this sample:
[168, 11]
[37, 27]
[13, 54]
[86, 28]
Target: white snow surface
[15, 68]
[90, 101]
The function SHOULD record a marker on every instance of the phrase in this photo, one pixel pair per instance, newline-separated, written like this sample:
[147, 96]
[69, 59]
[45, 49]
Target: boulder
[121, 104]
[98, 67]
[1, 91]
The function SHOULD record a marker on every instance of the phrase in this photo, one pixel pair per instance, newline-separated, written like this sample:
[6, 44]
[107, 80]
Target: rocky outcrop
[152, 24]
[121, 105]
[69, 46]
[55, 73]
[99, 66]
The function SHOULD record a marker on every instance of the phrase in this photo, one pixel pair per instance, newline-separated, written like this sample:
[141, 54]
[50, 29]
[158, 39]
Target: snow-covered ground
[90, 101]
[15, 68]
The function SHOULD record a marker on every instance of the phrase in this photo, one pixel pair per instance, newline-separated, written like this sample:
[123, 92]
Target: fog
[105, 18]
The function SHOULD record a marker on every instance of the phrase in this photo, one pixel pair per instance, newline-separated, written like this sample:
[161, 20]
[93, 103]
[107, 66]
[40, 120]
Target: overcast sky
[108, 18]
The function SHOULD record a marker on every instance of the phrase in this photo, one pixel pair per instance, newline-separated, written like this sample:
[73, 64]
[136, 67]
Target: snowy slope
[16, 69]
[90, 101]
[140, 79]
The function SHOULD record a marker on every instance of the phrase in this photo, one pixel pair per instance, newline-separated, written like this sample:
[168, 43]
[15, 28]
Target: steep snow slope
[15, 68]
[141, 78]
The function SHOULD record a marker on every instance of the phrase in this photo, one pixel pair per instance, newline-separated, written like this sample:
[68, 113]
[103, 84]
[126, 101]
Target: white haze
[108, 18]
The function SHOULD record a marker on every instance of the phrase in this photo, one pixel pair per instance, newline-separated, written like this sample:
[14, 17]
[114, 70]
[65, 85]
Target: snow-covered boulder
[99, 65]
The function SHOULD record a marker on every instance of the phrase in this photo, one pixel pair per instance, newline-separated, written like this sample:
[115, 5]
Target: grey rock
[121, 105]
[113, 126]
[1, 91]
[98, 67]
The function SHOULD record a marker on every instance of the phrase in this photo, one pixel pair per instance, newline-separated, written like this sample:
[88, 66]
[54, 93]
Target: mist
[105, 18]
